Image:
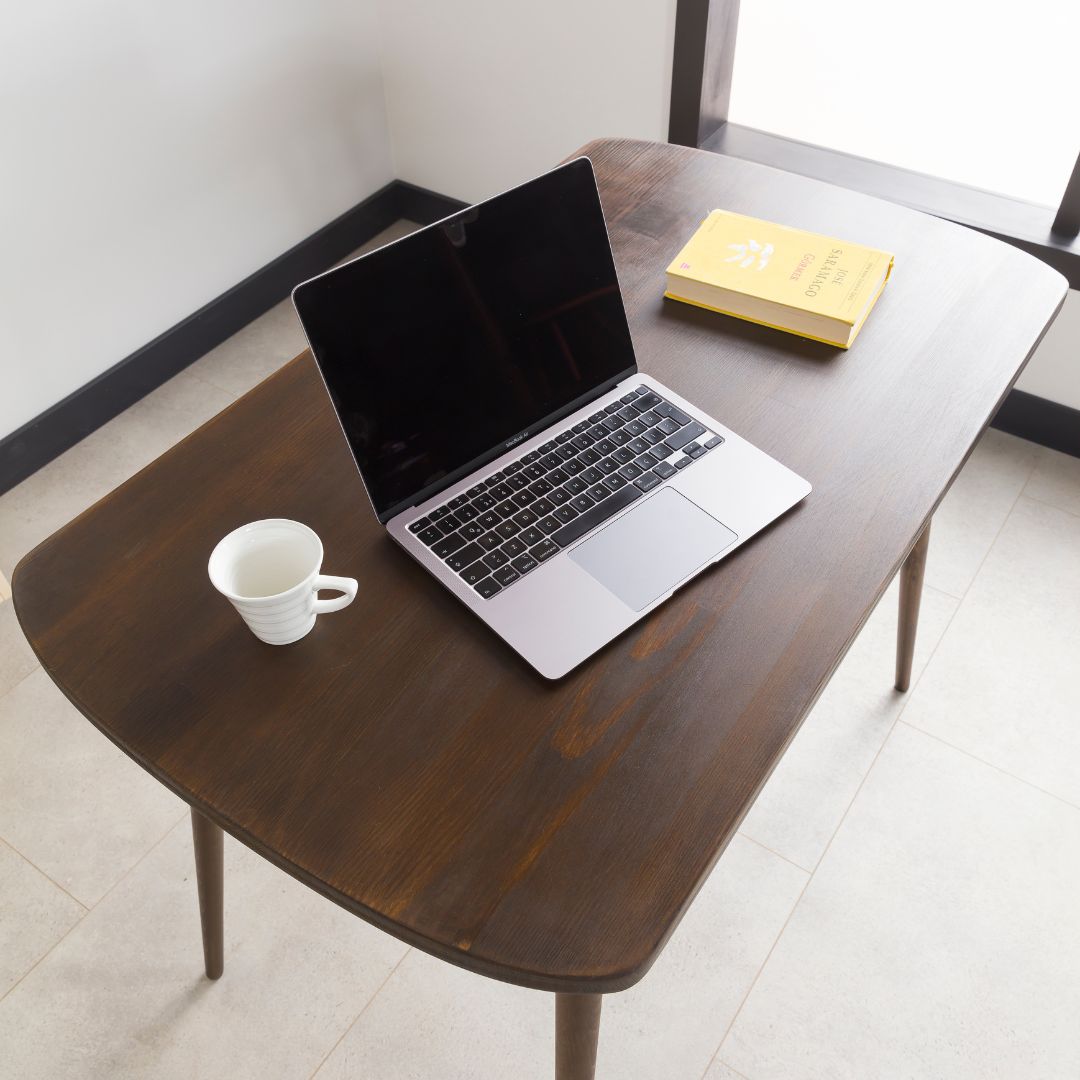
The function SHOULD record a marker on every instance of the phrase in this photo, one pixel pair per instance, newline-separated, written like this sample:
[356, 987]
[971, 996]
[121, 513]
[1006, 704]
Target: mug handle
[347, 586]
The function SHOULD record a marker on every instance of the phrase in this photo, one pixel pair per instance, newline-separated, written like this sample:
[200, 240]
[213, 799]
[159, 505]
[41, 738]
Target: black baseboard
[60, 427]
[76, 416]
[1040, 421]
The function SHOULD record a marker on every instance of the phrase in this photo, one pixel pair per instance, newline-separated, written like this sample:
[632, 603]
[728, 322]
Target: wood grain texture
[401, 759]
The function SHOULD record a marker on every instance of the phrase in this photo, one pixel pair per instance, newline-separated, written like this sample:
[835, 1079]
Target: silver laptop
[484, 376]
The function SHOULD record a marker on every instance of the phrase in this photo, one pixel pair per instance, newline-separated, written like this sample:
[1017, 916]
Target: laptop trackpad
[652, 548]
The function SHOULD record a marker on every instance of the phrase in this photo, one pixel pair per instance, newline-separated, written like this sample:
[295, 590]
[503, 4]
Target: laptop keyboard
[508, 524]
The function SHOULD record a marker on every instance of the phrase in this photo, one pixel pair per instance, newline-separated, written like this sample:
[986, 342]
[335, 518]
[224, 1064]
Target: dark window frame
[702, 67]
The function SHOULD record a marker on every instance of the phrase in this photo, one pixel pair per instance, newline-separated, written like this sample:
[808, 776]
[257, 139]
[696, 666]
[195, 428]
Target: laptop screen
[444, 348]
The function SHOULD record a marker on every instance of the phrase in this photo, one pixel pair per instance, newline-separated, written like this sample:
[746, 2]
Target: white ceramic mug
[269, 571]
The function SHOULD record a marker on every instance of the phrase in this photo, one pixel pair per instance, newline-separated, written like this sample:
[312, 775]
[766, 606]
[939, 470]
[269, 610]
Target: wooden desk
[407, 765]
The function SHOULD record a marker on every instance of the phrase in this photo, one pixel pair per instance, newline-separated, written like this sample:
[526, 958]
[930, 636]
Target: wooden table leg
[911, 585]
[577, 1029]
[210, 875]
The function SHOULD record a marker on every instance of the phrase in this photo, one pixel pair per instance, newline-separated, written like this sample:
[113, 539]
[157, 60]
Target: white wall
[156, 154]
[1054, 371]
[483, 94]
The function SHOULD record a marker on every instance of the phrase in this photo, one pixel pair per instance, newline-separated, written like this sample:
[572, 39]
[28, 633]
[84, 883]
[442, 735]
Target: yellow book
[806, 284]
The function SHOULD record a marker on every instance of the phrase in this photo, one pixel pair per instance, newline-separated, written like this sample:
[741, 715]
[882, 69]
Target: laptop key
[592, 476]
[440, 513]
[648, 418]
[635, 427]
[517, 482]
[690, 448]
[567, 451]
[577, 429]
[449, 524]
[661, 450]
[468, 512]
[581, 503]
[639, 446]
[523, 498]
[533, 471]
[627, 398]
[474, 491]
[431, 535]
[501, 491]
[474, 572]
[419, 524]
[472, 530]
[629, 472]
[665, 408]
[557, 476]
[449, 544]
[668, 426]
[682, 462]
[698, 451]
[548, 525]
[608, 466]
[559, 496]
[496, 558]
[573, 467]
[653, 436]
[507, 529]
[489, 519]
[540, 487]
[575, 485]
[589, 457]
[551, 461]
[648, 400]
[564, 437]
[646, 462]
[505, 575]
[642, 390]
[566, 513]
[512, 548]
[530, 457]
[461, 500]
[505, 510]
[525, 518]
[542, 507]
[619, 438]
[716, 440]
[685, 435]
[544, 550]
[648, 481]
[614, 422]
[627, 413]
[586, 522]
[596, 418]
[489, 541]
[582, 441]
[530, 536]
[496, 478]
[623, 455]
[513, 467]
[604, 446]
[547, 447]
[482, 502]
[614, 482]
[598, 492]
[487, 587]
[597, 433]
[613, 407]
[524, 563]
[664, 470]
[465, 557]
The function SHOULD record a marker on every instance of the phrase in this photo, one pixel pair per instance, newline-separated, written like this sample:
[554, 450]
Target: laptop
[484, 376]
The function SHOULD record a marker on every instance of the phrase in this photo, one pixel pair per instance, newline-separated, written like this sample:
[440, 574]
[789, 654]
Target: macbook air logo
[516, 439]
[746, 254]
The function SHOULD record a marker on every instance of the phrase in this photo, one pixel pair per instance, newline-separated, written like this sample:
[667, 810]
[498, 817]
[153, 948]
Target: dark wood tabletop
[402, 760]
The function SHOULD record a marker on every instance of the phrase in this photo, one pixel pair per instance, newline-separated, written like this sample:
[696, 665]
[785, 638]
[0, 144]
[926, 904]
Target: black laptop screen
[439, 349]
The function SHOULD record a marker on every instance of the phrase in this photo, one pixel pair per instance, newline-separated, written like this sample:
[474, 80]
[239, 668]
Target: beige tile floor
[900, 902]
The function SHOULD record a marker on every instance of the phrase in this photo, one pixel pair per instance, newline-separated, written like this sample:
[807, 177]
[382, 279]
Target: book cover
[812, 285]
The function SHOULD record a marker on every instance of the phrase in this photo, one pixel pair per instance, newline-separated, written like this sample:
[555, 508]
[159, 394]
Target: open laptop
[484, 376]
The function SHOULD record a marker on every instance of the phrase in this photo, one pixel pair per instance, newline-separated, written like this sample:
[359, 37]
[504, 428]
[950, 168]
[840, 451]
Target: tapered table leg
[577, 1029]
[911, 585]
[210, 875]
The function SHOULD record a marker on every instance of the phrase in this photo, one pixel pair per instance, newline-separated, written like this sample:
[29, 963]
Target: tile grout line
[108, 892]
[765, 847]
[356, 1019]
[991, 765]
[48, 877]
[1051, 505]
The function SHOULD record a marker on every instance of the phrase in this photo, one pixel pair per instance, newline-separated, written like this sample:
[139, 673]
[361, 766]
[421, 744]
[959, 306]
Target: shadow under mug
[269, 572]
